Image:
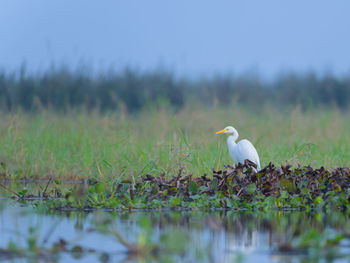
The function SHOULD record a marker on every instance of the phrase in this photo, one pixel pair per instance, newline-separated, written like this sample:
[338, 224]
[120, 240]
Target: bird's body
[242, 150]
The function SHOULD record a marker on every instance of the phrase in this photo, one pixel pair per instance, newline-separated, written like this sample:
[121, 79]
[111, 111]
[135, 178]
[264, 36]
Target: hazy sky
[193, 37]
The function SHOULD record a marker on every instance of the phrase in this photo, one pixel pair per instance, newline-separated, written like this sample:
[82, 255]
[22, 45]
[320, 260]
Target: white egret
[242, 150]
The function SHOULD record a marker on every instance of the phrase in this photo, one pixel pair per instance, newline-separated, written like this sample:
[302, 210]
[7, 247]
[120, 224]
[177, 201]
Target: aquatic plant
[234, 188]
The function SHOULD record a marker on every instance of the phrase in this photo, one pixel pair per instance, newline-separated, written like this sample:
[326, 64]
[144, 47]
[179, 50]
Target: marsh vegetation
[133, 159]
[84, 145]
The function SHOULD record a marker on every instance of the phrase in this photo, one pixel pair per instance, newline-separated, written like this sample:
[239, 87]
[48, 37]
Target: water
[182, 236]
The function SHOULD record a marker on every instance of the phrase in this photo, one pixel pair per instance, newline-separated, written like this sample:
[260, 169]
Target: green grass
[84, 145]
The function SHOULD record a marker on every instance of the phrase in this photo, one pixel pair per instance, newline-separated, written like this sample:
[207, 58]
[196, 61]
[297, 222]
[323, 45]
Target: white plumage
[242, 150]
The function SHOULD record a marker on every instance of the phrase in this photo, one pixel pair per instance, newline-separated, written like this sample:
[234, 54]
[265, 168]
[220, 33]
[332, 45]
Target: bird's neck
[231, 139]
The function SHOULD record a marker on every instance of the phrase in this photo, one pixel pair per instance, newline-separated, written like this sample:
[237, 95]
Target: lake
[30, 233]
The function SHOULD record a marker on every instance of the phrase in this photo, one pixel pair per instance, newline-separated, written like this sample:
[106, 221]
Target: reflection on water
[221, 236]
[181, 236]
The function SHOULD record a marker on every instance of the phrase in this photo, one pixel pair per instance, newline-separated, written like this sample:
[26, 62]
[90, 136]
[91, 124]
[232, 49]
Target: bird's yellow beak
[222, 131]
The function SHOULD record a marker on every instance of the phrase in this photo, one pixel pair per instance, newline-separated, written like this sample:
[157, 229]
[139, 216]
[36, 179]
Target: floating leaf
[214, 184]
[192, 187]
[251, 188]
[58, 182]
[287, 185]
[100, 188]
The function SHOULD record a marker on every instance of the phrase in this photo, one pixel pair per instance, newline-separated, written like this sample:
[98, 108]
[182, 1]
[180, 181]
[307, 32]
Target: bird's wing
[246, 150]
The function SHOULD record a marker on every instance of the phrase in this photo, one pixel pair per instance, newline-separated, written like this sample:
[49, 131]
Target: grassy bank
[85, 145]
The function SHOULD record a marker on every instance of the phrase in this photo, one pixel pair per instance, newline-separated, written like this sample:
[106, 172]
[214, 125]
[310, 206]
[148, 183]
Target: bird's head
[228, 130]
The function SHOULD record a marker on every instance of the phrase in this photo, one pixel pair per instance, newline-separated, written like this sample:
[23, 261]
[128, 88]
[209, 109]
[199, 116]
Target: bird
[242, 150]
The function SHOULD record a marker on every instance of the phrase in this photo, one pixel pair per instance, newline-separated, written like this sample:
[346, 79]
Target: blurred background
[132, 55]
